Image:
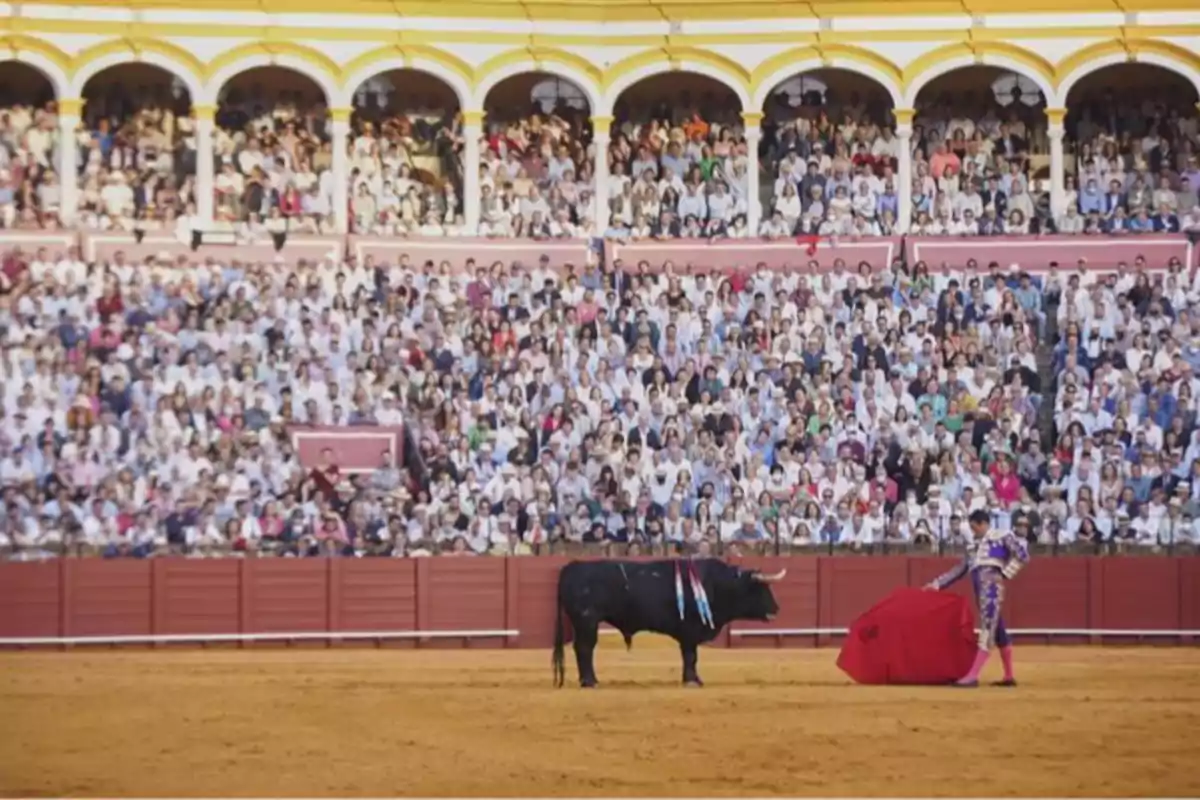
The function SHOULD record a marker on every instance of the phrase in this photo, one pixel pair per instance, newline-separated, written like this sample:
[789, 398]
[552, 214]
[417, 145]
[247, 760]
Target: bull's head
[755, 599]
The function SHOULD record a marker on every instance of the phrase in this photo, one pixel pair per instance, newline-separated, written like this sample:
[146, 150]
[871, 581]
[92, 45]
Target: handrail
[298, 636]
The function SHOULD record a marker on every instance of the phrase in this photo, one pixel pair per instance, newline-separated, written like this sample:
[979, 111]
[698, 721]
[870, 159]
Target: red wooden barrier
[1034, 253]
[799, 597]
[786, 255]
[181, 597]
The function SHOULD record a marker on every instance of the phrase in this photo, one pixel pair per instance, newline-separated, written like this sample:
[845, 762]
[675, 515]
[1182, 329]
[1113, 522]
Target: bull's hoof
[588, 684]
[693, 683]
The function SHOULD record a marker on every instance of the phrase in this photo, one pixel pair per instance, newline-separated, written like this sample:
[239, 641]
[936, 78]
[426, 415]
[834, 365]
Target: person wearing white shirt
[865, 201]
[968, 200]
[720, 204]
[967, 226]
[692, 204]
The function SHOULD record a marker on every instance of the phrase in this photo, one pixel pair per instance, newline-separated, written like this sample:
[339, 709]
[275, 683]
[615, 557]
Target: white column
[205, 171]
[752, 122]
[67, 161]
[339, 123]
[1058, 183]
[472, 133]
[904, 171]
[601, 128]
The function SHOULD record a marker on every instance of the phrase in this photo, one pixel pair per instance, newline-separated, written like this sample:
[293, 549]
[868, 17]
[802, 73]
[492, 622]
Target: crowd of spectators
[273, 163]
[136, 166]
[30, 189]
[145, 407]
[1135, 167]
[536, 177]
[405, 164]
[133, 168]
[831, 164]
[973, 167]
[678, 169]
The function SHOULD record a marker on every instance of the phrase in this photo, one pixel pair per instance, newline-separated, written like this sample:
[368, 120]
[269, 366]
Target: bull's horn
[778, 576]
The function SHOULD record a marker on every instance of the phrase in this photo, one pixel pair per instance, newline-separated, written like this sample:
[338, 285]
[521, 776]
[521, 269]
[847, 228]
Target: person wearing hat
[993, 558]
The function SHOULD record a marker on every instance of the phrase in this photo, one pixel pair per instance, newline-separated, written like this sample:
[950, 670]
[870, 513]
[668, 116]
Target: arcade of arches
[677, 153]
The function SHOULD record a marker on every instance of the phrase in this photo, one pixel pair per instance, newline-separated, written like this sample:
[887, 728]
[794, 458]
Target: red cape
[912, 636]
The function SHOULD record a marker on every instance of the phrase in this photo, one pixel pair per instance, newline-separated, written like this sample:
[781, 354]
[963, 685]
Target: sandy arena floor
[308, 722]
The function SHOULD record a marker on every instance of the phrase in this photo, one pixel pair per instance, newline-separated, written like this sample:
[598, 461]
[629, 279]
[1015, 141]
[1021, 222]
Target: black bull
[642, 596]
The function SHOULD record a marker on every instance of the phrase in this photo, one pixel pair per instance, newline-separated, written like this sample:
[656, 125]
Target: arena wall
[509, 602]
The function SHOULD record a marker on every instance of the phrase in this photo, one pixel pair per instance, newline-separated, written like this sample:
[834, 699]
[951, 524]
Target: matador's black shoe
[1009, 683]
[965, 685]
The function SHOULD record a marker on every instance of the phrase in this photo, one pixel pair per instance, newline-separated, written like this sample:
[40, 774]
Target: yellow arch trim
[777, 62]
[1086, 55]
[978, 50]
[1130, 47]
[1189, 57]
[136, 44]
[407, 52]
[544, 57]
[675, 56]
[826, 53]
[16, 43]
[273, 48]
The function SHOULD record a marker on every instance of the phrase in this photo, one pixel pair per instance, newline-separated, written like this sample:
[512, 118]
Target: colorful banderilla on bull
[702, 606]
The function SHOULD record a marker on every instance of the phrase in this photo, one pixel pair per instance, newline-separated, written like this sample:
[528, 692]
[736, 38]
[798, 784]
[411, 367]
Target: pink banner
[103, 246]
[560, 252]
[1034, 254]
[30, 242]
[355, 449]
[737, 255]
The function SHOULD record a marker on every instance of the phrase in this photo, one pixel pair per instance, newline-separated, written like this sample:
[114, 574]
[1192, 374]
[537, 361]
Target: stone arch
[427, 60]
[44, 57]
[178, 62]
[316, 66]
[1107, 54]
[637, 68]
[949, 59]
[792, 63]
[557, 63]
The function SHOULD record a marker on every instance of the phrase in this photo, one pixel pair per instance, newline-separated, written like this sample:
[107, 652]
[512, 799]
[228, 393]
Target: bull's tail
[557, 661]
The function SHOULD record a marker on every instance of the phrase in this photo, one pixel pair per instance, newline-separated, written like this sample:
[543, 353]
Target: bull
[644, 596]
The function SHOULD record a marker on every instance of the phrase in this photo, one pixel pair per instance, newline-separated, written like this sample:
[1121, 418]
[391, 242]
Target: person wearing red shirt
[110, 304]
[327, 475]
[14, 272]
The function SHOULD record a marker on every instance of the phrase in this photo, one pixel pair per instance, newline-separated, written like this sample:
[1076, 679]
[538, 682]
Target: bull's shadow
[689, 600]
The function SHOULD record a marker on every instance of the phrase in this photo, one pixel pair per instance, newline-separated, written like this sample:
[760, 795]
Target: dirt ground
[358, 722]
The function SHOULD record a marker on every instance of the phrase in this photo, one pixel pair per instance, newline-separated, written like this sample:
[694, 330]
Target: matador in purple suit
[993, 558]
